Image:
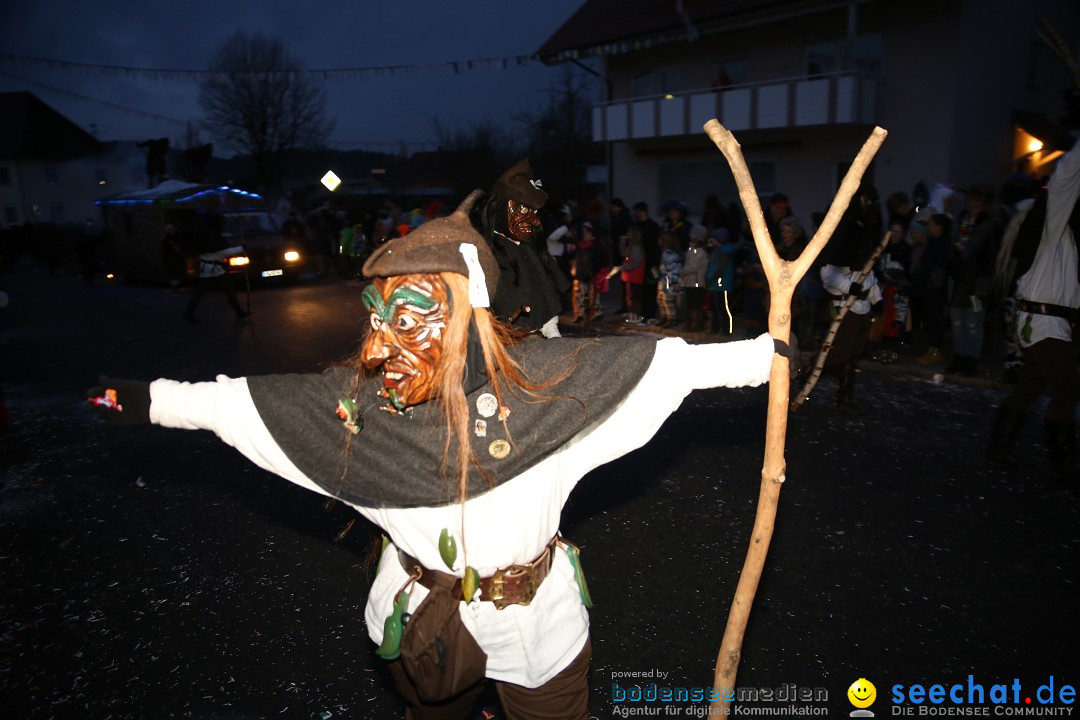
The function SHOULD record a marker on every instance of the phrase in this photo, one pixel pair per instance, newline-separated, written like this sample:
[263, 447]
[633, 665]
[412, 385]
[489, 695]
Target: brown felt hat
[434, 247]
[518, 184]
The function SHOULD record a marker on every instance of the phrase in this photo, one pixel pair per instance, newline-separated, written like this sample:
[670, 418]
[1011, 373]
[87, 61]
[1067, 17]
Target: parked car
[268, 254]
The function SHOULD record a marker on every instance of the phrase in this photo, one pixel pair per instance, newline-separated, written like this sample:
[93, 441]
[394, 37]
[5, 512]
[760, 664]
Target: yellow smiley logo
[862, 693]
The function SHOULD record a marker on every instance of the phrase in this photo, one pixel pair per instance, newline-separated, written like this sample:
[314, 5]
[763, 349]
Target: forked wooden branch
[804, 394]
[783, 276]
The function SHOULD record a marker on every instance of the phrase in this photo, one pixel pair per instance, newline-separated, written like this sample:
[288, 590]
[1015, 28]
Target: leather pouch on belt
[438, 654]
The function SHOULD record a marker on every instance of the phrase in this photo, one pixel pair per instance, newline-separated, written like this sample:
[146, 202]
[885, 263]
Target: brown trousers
[563, 697]
[850, 341]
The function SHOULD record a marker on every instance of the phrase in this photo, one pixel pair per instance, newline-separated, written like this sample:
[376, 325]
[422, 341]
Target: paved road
[153, 573]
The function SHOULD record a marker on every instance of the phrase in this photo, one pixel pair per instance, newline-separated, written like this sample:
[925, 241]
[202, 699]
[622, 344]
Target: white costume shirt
[1052, 275]
[525, 645]
[212, 264]
[837, 280]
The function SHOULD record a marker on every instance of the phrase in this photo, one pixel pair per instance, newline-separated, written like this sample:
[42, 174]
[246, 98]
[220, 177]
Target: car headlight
[239, 261]
[291, 256]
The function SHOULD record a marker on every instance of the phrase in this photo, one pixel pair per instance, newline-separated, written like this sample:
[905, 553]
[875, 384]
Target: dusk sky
[372, 112]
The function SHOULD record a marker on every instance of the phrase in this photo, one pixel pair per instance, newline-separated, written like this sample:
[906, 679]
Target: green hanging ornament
[1025, 333]
[382, 551]
[579, 574]
[447, 548]
[390, 649]
[469, 583]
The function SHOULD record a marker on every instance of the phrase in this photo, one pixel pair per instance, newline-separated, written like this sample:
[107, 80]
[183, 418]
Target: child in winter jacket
[720, 278]
[669, 293]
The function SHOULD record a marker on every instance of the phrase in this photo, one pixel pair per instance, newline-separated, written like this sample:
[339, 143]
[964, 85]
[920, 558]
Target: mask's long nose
[376, 350]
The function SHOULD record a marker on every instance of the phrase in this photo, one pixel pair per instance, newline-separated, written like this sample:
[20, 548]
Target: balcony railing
[833, 99]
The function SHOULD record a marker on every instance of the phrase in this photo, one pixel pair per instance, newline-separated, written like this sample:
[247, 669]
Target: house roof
[31, 130]
[614, 26]
[178, 191]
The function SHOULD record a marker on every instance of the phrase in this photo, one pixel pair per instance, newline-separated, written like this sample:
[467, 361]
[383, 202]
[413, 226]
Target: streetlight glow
[330, 180]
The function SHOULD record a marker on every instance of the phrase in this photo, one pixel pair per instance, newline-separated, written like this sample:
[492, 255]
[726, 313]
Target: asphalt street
[153, 573]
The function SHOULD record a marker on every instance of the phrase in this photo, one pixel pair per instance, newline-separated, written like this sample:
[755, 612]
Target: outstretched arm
[731, 364]
[223, 407]
[677, 369]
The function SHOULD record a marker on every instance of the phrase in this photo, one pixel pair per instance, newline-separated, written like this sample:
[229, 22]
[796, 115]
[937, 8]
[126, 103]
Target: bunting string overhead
[350, 73]
[99, 101]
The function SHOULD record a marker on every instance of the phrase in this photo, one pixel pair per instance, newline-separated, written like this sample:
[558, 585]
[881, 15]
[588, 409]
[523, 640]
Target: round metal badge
[499, 449]
[487, 405]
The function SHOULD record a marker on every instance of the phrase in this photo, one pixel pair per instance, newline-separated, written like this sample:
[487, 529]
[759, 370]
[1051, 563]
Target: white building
[960, 86]
[52, 171]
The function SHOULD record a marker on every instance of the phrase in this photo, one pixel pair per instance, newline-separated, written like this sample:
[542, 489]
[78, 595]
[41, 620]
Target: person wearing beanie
[675, 221]
[531, 285]
[720, 278]
[692, 278]
[462, 439]
[585, 266]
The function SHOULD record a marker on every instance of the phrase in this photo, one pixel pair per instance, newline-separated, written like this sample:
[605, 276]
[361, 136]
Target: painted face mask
[408, 315]
[521, 221]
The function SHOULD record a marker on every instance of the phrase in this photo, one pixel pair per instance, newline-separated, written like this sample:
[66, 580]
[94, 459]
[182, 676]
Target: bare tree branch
[259, 101]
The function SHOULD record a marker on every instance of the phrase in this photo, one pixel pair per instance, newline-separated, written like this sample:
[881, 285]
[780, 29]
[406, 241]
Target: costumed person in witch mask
[531, 285]
[462, 439]
[1048, 291]
[852, 244]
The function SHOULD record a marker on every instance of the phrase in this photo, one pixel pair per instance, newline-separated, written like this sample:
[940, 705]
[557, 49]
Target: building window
[56, 213]
[51, 176]
[5, 175]
[11, 215]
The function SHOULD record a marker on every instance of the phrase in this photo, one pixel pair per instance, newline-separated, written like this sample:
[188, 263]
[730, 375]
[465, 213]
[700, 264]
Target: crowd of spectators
[946, 294]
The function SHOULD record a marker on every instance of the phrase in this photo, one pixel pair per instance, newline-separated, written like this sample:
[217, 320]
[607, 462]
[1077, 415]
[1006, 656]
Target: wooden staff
[826, 346]
[782, 276]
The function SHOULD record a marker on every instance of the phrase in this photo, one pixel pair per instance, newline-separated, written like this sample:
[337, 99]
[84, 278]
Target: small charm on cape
[346, 410]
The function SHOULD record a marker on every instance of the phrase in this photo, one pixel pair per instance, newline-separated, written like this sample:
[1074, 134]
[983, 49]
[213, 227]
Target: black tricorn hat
[518, 184]
[435, 247]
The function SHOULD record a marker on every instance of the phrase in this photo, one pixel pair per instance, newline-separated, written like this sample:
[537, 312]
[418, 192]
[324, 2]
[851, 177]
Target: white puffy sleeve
[224, 407]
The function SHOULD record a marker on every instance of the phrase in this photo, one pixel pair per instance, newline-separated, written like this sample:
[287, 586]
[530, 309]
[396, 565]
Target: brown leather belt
[514, 585]
[1038, 308]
